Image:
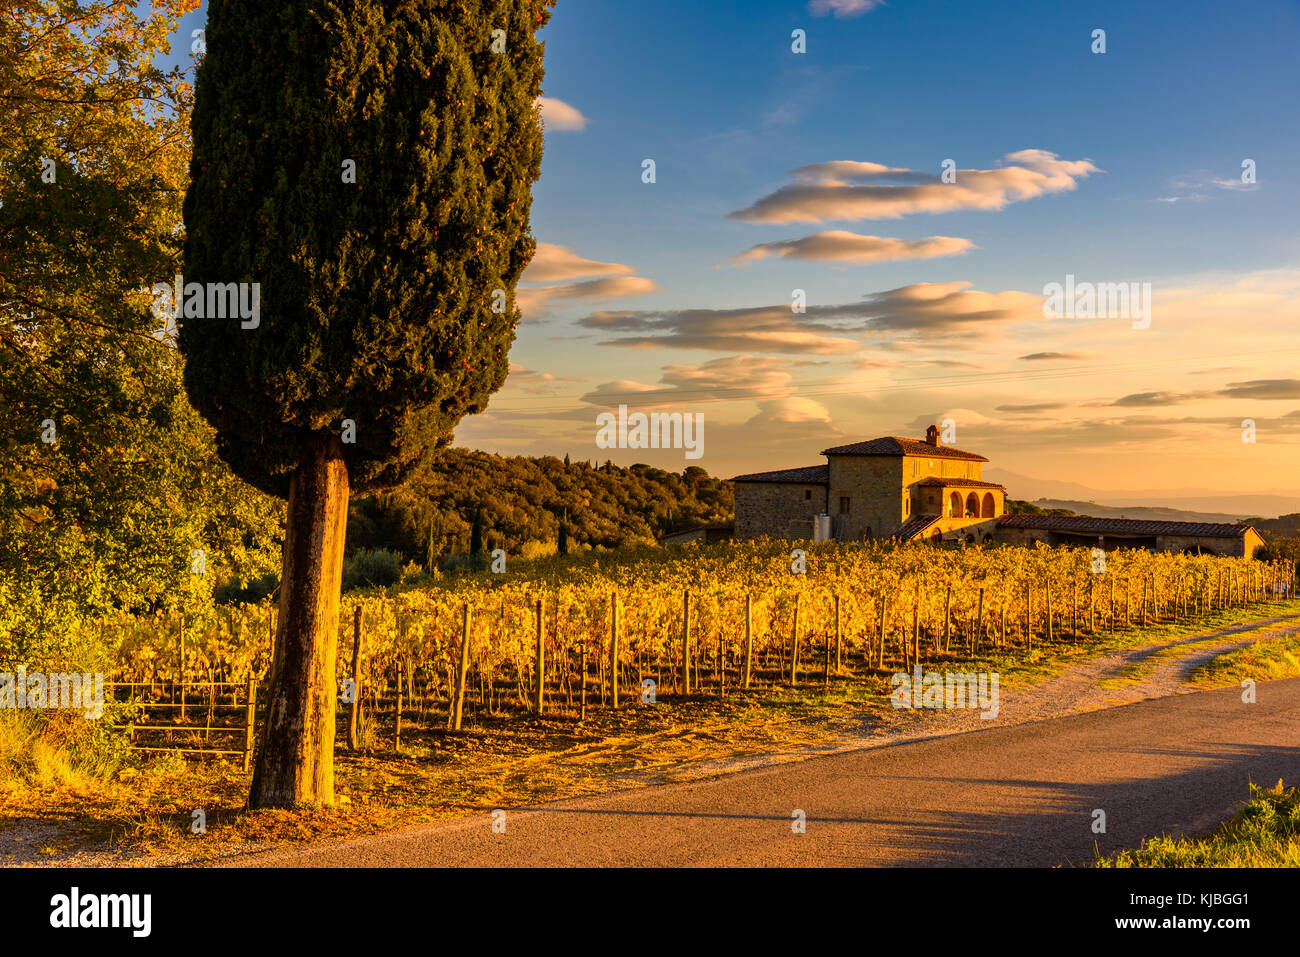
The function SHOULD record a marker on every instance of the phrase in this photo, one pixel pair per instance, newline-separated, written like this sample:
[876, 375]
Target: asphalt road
[1022, 795]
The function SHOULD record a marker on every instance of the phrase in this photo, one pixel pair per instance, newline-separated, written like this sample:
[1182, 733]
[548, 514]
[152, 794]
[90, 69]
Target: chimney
[932, 436]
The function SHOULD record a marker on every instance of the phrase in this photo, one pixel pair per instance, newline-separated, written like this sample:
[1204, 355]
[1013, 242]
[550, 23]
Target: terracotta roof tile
[1082, 524]
[897, 445]
[809, 475]
[959, 483]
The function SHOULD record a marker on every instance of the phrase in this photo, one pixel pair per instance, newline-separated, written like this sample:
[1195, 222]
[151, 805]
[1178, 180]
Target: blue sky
[713, 93]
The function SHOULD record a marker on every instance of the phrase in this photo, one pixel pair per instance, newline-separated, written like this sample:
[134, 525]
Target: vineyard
[698, 621]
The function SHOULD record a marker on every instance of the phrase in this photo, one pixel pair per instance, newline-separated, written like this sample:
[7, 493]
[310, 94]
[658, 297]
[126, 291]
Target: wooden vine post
[400, 668]
[686, 642]
[354, 714]
[250, 717]
[613, 652]
[1029, 623]
[749, 637]
[914, 640]
[884, 627]
[582, 674]
[1074, 606]
[180, 648]
[794, 643]
[839, 659]
[947, 618]
[826, 669]
[540, 699]
[463, 671]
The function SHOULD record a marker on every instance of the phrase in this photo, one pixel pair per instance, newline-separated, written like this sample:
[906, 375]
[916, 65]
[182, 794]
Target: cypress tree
[562, 544]
[476, 559]
[369, 164]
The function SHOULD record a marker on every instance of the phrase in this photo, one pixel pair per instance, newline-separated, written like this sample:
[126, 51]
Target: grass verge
[1264, 833]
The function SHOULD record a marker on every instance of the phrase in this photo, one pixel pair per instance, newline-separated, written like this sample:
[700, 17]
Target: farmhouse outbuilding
[922, 490]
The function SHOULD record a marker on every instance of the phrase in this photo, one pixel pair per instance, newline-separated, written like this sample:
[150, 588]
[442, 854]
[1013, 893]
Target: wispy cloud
[1263, 389]
[840, 246]
[843, 8]
[560, 265]
[560, 117]
[1198, 185]
[1055, 356]
[717, 380]
[852, 190]
[533, 381]
[552, 263]
[536, 301]
[762, 329]
[934, 311]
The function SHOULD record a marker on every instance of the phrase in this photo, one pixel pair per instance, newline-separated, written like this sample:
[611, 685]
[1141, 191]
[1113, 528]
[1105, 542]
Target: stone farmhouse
[922, 490]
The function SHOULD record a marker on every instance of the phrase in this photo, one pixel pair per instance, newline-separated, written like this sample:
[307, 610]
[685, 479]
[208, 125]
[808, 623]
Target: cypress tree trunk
[295, 763]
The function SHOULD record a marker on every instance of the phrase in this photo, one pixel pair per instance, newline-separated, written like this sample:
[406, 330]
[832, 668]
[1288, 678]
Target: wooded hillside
[523, 500]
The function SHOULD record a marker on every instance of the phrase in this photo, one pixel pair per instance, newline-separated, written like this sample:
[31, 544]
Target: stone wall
[873, 485]
[768, 508]
[917, 467]
[1227, 547]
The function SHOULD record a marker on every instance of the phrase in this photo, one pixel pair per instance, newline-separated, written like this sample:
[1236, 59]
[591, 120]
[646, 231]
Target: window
[844, 505]
[807, 494]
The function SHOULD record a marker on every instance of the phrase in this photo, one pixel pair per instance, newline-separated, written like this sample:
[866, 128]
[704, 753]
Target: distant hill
[1145, 513]
[1198, 501]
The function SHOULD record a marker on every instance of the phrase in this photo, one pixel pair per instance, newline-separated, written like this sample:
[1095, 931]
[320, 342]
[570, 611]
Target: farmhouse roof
[915, 525]
[958, 483]
[809, 475]
[897, 445]
[1119, 527]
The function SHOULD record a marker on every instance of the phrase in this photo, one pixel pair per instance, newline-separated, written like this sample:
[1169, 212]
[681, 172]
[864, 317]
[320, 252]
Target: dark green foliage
[236, 592]
[1279, 548]
[476, 534]
[523, 499]
[1015, 506]
[1282, 527]
[376, 297]
[562, 543]
[109, 515]
[371, 567]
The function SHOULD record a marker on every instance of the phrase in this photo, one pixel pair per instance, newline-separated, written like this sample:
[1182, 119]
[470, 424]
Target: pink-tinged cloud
[560, 117]
[536, 301]
[552, 263]
[843, 8]
[848, 190]
[759, 329]
[1056, 356]
[840, 246]
[938, 310]
[533, 381]
[729, 378]
[560, 265]
[924, 311]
